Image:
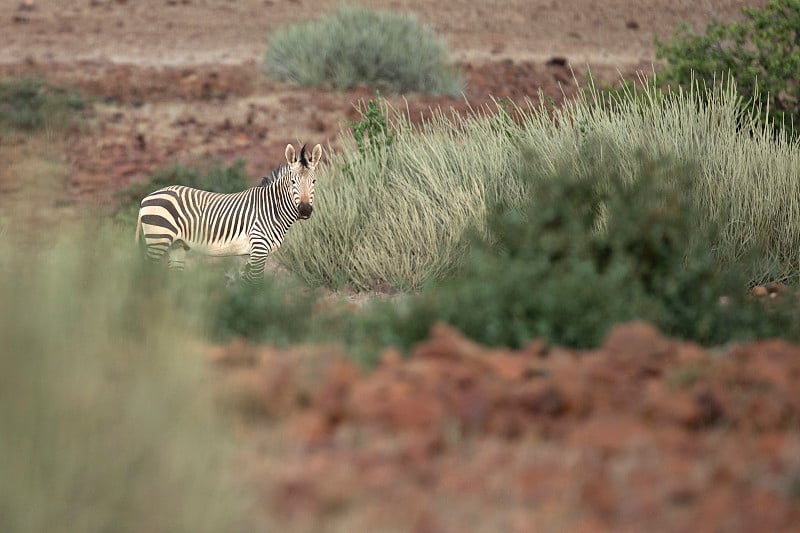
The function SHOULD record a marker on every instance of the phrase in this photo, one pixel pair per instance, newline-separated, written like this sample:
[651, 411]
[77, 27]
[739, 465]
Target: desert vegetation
[357, 45]
[396, 212]
[444, 333]
[759, 52]
[107, 419]
[638, 204]
[32, 104]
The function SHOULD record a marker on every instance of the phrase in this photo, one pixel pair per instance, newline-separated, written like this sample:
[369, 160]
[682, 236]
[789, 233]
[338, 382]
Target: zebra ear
[316, 154]
[291, 157]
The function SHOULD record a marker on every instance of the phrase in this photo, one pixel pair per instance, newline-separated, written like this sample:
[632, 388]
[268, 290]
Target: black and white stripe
[252, 222]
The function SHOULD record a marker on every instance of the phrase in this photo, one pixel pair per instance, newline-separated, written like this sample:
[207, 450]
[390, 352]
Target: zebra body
[252, 222]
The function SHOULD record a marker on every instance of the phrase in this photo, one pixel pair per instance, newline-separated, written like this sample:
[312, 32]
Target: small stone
[759, 291]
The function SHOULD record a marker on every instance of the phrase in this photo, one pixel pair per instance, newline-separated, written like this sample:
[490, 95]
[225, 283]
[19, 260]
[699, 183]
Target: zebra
[252, 222]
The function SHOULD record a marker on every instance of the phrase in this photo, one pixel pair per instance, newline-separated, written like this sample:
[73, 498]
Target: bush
[586, 251]
[395, 210]
[356, 45]
[760, 52]
[32, 104]
[393, 206]
[279, 312]
[215, 178]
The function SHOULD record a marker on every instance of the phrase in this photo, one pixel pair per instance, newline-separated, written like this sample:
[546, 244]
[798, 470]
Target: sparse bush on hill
[357, 45]
[32, 104]
[760, 52]
[216, 177]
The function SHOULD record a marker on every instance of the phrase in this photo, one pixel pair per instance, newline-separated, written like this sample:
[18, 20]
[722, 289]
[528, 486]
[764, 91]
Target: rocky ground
[643, 434]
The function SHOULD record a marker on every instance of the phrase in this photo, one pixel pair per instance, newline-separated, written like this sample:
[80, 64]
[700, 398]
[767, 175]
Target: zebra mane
[276, 174]
[303, 156]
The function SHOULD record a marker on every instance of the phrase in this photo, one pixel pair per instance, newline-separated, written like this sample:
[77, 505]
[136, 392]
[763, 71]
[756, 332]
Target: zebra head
[304, 175]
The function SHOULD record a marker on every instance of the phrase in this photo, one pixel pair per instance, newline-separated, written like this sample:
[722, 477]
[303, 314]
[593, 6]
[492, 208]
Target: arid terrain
[180, 80]
[643, 434]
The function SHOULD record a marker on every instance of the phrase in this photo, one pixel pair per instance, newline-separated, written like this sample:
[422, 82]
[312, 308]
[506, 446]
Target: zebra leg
[177, 256]
[156, 250]
[254, 269]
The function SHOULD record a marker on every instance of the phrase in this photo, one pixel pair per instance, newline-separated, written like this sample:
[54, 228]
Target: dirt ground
[642, 434]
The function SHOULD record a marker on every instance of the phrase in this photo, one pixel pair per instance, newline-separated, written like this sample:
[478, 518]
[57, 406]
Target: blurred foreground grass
[107, 421]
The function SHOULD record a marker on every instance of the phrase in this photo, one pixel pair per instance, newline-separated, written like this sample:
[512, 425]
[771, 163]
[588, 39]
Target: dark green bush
[32, 104]
[278, 312]
[356, 45]
[372, 131]
[760, 52]
[588, 251]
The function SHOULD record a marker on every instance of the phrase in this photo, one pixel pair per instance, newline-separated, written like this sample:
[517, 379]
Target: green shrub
[32, 104]
[372, 131]
[107, 419]
[356, 45]
[548, 270]
[760, 52]
[279, 312]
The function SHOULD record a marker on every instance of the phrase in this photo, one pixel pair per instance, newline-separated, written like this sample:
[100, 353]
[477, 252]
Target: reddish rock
[637, 346]
[311, 428]
[759, 291]
[333, 394]
[643, 433]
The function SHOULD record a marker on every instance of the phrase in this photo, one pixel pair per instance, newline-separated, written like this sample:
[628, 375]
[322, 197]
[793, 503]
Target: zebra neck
[278, 203]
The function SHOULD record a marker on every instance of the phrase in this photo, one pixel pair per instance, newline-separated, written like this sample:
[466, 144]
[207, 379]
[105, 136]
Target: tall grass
[750, 173]
[397, 214]
[107, 422]
[357, 45]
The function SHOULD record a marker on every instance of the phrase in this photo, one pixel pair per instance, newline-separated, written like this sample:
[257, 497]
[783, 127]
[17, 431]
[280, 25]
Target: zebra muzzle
[304, 210]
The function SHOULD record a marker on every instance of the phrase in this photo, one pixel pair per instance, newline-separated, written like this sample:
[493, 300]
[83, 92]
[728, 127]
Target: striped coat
[253, 222]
